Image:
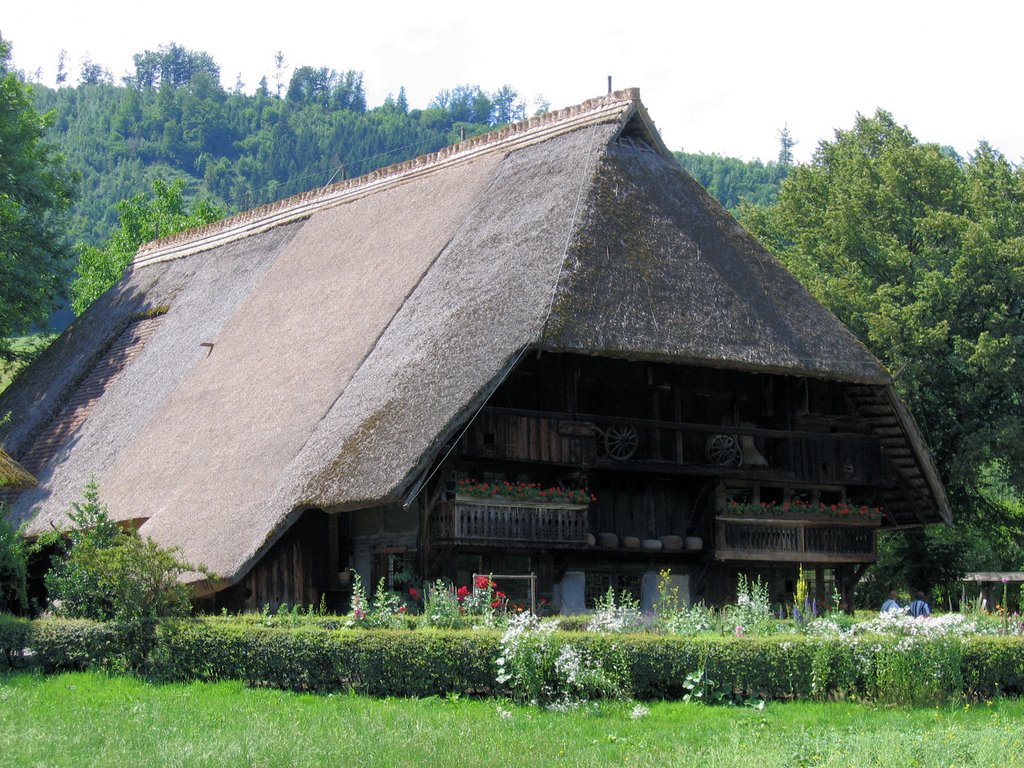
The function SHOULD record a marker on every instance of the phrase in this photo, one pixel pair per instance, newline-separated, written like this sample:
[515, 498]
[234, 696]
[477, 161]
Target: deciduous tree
[921, 254]
[35, 192]
[143, 218]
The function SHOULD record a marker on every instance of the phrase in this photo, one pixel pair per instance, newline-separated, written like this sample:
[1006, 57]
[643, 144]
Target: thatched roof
[12, 474]
[319, 351]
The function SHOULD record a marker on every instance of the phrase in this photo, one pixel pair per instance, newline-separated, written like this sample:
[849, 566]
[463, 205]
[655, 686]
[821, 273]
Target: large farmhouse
[299, 390]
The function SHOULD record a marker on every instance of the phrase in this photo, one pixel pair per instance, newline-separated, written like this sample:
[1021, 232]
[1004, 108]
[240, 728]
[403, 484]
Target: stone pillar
[571, 593]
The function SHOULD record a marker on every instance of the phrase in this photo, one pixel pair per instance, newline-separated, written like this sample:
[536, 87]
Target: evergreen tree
[786, 144]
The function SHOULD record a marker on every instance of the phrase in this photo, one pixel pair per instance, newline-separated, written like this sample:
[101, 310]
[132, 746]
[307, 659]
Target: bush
[106, 573]
[377, 663]
[543, 664]
[60, 645]
[74, 582]
[13, 567]
[14, 633]
[993, 666]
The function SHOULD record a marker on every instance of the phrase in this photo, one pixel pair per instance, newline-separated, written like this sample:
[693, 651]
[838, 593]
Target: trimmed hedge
[14, 633]
[430, 662]
[61, 645]
[374, 662]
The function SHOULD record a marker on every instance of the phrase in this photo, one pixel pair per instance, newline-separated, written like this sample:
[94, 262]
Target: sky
[717, 77]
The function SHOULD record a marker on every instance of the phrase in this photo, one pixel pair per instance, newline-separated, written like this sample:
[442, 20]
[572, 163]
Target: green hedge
[375, 662]
[430, 662]
[994, 666]
[59, 645]
[14, 634]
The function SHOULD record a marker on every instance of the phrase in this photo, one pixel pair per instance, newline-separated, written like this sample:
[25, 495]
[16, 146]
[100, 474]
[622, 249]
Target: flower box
[505, 491]
[831, 513]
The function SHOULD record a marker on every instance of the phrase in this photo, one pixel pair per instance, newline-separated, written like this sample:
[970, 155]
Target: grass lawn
[95, 720]
[22, 344]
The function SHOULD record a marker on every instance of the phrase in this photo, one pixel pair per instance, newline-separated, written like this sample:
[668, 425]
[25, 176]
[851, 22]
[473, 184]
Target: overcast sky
[716, 76]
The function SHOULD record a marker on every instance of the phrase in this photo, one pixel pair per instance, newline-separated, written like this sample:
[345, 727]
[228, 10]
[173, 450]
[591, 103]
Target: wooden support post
[333, 557]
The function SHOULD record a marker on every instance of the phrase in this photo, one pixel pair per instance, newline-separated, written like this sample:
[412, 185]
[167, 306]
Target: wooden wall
[294, 571]
[644, 506]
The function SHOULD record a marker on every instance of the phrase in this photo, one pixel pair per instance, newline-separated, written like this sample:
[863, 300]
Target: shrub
[106, 573]
[993, 666]
[14, 633]
[13, 567]
[60, 645]
[533, 661]
[75, 580]
[377, 662]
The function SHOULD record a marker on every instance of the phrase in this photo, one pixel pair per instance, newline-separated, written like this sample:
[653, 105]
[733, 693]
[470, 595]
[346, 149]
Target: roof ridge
[302, 205]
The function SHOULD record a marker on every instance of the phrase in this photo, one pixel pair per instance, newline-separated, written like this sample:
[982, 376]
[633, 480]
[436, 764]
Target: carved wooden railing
[794, 540]
[509, 523]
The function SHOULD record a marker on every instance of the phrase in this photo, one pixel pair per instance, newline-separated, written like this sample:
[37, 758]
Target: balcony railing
[794, 540]
[511, 523]
[814, 457]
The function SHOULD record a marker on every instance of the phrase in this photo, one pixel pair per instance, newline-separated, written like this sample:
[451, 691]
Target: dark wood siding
[294, 571]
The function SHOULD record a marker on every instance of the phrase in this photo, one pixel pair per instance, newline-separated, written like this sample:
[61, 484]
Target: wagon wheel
[724, 451]
[620, 441]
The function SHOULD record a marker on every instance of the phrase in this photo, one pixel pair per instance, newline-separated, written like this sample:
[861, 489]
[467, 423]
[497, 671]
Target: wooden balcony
[509, 523]
[782, 540]
[664, 446]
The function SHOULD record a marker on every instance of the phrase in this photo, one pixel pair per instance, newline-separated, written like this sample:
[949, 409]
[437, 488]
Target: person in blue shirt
[919, 606]
[893, 603]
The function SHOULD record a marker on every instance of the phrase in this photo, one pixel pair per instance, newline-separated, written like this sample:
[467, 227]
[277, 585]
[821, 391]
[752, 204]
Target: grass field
[95, 720]
[22, 344]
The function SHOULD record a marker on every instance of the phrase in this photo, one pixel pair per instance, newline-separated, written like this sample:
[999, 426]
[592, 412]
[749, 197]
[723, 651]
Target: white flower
[638, 712]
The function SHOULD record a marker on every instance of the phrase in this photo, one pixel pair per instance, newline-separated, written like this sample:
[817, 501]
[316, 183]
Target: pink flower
[739, 631]
[414, 593]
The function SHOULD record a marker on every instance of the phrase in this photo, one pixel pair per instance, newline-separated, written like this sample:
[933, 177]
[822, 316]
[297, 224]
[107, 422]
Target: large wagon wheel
[620, 441]
[723, 451]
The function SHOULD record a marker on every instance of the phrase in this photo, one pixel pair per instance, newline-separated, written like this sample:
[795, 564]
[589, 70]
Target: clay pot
[672, 543]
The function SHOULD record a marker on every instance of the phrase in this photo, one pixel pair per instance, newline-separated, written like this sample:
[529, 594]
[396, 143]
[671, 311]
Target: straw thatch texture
[235, 425]
[482, 302]
[202, 293]
[12, 474]
[676, 278]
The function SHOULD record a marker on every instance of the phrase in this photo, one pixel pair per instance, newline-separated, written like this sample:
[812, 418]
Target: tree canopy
[143, 218]
[731, 180]
[35, 192]
[921, 254]
[171, 118]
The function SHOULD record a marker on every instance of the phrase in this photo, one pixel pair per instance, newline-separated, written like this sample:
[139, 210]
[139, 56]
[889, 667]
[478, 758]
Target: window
[598, 583]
